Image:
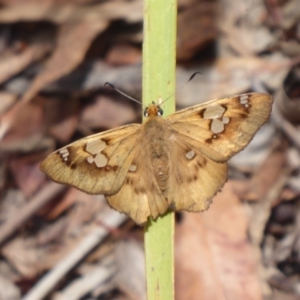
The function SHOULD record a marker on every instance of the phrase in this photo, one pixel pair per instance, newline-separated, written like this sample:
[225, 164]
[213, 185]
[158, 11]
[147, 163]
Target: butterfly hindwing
[192, 179]
[140, 195]
[197, 179]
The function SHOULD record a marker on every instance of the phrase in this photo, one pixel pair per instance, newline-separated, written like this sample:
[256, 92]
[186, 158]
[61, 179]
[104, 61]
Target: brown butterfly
[176, 163]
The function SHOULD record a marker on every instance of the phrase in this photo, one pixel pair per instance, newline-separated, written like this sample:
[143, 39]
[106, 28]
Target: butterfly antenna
[191, 78]
[120, 92]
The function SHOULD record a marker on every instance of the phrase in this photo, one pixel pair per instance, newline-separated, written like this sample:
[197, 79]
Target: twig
[22, 214]
[44, 286]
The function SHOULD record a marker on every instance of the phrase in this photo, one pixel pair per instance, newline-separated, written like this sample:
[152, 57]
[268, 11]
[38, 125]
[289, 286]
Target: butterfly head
[153, 110]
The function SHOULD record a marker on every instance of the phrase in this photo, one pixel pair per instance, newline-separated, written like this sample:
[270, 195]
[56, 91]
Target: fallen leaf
[214, 257]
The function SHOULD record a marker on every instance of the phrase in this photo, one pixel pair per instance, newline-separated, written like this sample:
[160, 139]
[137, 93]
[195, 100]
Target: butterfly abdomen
[156, 130]
[160, 164]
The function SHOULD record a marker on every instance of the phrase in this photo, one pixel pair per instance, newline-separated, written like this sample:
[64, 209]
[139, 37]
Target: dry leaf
[214, 258]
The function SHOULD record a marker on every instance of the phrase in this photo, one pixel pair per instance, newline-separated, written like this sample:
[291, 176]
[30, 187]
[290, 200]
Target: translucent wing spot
[64, 153]
[100, 160]
[190, 155]
[90, 159]
[218, 126]
[132, 168]
[213, 112]
[244, 100]
[225, 120]
[95, 148]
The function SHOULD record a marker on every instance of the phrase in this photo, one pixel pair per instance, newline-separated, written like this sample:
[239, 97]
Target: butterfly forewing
[223, 127]
[96, 164]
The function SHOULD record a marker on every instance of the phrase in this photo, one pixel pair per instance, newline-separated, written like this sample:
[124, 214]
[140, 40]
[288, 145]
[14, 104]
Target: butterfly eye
[160, 112]
[146, 112]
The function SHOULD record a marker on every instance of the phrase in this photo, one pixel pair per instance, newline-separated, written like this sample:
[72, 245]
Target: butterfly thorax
[155, 131]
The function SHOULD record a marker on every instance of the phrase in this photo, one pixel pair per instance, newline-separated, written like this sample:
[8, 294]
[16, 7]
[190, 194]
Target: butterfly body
[174, 163]
[155, 136]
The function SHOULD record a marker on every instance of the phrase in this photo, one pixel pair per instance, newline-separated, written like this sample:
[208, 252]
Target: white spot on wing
[95, 148]
[217, 126]
[132, 168]
[100, 160]
[213, 112]
[225, 120]
[64, 153]
[190, 155]
[244, 100]
[90, 159]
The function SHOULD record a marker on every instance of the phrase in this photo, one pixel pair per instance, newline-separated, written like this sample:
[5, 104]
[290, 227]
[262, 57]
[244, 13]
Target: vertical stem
[159, 65]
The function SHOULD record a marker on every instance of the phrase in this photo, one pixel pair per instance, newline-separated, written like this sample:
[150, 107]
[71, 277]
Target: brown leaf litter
[59, 243]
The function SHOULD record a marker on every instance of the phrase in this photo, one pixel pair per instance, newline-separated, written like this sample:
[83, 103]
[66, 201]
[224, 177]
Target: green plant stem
[159, 64]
